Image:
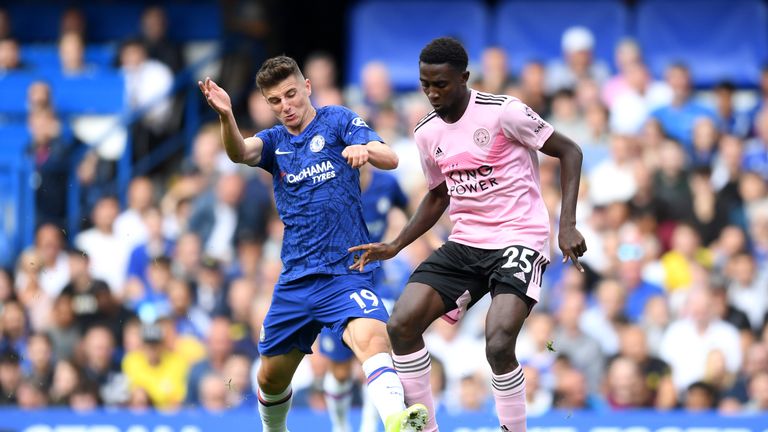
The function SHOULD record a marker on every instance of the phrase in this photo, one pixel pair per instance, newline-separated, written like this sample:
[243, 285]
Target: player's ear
[309, 86]
[465, 77]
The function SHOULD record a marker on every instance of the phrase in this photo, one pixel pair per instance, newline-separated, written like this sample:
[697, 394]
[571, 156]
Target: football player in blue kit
[381, 193]
[314, 156]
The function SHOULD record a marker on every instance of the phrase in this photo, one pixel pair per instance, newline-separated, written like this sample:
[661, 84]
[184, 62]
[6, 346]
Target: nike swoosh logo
[367, 311]
[282, 152]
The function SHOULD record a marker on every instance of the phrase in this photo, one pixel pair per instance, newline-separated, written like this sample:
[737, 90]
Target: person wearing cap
[578, 62]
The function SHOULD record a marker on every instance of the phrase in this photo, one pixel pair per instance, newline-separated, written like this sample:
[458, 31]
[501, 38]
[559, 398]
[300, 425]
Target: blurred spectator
[320, 69]
[240, 304]
[654, 371]
[613, 180]
[72, 55]
[684, 257]
[66, 377]
[602, 320]
[572, 393]
[51, 154]
[533, 90]
[625, 387]
[535, 347]
[55, 267]
[474, 395]
[705, 139]
[709, 216]
[10, 376]
[30, 292]
[537, 400]
[81, 290]
[725, 310]
[108, 253]
[672, 189]
[154, 29]
[5, 24]
[641, 96]
[747, 289]
[375, 90]
[38, 364]
[494, 76]
[577, 44]
[219, 346]
[237, 373]
[583, 351]
[678, 117]
[215, 217]
[73, 21]
[188, 319]
[130, 224]
[10, 59]
[729, 117]
[187, 260]
[160, 372]
[154, 245]
[700, 396]
[689, 339]
[14, 329]
[99, 366]
[147, 84]
[64, 331]
[39, 96]
[758, 393]
[566, 117]
[756, 149]
[85, 397]
[213, 393]
[31, 395]
[626, 55]
[260, 115]
[716, 374]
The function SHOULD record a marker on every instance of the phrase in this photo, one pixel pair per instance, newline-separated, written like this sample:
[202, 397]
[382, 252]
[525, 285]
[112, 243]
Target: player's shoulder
[335, 111]
[493, 101]
[424, 121]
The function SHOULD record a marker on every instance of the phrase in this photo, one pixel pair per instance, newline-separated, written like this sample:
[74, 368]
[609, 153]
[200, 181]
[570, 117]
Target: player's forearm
[234, 144]
[429, 212]
[381, 156]
[570, 167]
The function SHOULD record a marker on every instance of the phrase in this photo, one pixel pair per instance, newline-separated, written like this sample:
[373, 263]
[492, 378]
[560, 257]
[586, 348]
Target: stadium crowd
[159, 304]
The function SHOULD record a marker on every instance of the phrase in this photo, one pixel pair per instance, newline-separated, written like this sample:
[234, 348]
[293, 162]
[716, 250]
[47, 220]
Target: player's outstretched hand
[372, 252]
[356, 155]
[572, 244]
[216, 97]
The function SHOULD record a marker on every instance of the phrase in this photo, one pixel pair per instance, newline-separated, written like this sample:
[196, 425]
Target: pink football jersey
[488, 159]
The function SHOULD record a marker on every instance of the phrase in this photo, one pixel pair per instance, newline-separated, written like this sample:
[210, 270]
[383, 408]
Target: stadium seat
[395, 32]
[13, 88]
[15, 140]
[102, 93]
[193, 22]
[532, 30]
[36, 22]
[46, 56]
[112, 21]
[716, 39]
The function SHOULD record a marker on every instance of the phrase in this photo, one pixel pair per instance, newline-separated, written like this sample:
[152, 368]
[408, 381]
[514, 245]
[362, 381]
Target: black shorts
[462, 275]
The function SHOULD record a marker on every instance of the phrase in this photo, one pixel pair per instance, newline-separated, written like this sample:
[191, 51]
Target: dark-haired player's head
[286, 91]
[443, 74]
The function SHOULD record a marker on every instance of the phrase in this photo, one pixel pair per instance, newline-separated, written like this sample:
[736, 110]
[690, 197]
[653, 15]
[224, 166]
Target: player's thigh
[276, 372]
[289, 324]
[453, 272]
[418, 306]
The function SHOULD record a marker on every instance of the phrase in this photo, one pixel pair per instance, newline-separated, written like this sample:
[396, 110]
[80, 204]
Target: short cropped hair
[275, 70]
[445, 50]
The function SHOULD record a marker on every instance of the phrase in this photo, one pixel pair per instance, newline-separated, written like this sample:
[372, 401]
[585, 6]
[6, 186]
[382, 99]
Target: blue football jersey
[382, 194]
[317, 193]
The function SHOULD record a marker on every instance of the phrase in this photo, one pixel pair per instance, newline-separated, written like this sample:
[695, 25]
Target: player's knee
[500, 352]
[403, 327]
[271, 384]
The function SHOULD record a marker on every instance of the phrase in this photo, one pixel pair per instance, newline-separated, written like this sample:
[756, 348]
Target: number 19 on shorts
[366, 299]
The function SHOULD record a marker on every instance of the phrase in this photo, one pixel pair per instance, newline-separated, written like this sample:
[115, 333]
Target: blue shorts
[301, 308]
[331, 345]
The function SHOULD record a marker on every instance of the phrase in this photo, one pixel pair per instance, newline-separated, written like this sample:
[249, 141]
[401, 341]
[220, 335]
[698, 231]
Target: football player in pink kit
[479, 154]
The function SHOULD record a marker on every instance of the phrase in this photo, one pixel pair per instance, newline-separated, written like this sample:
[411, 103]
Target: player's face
[289, 100]
[444, 85]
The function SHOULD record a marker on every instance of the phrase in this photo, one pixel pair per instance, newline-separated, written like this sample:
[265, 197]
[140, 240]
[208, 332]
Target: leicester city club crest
[317, 143]
[482, 137]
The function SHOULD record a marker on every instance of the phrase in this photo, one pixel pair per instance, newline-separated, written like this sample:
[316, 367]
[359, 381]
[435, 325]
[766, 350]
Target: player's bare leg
[275, 393]
[502, 326]
[414, 312]
[337, 386]
[368, 340]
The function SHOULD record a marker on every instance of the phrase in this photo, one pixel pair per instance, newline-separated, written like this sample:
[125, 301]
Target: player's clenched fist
[356, 155]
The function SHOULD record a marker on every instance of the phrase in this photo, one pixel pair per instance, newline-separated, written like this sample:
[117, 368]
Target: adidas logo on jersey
[520, 275]
[438, 152]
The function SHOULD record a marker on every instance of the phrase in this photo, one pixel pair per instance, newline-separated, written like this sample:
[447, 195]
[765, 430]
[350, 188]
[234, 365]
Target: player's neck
[458, 110]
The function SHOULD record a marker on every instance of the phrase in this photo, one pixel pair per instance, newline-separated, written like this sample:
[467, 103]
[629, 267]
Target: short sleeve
[354, 129]
[521, 123]
[432, 171]
[267, 161]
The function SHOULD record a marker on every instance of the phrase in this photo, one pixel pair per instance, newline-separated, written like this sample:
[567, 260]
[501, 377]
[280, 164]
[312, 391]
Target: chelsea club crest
[317, 143]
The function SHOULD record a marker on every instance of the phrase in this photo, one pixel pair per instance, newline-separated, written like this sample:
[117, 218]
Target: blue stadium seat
[716, 39]
[193, 22]
[532, 30]
[13, 88]
[395, 32]
[46, 56]
[102, 93]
